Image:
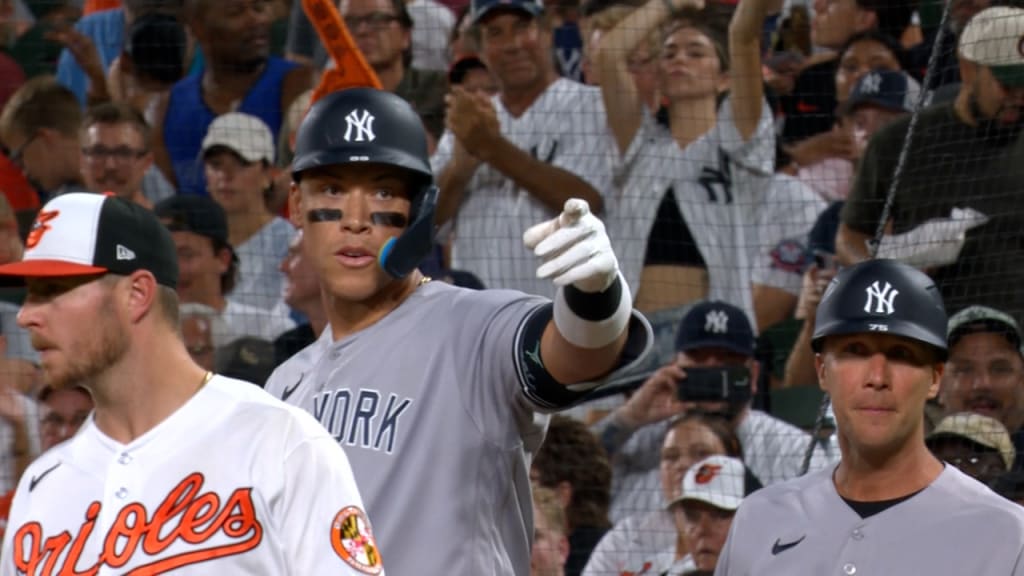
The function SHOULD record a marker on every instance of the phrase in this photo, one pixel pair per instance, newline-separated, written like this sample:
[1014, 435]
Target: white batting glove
[574, 248]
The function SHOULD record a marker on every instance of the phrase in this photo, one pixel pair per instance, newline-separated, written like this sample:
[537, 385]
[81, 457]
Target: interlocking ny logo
[872, 83]
[880, 299]
[361, 124]
[716, 321]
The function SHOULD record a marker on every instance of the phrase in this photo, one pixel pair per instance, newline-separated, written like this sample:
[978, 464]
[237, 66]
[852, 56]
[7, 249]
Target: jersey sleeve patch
[790, 255]
[352, 539]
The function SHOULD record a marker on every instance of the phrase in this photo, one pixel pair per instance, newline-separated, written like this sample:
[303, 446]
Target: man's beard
[105, 348]
[992, 131]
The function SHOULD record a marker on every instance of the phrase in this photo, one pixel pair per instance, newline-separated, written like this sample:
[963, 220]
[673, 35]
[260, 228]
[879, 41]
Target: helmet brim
[898, 328]
[368, 154]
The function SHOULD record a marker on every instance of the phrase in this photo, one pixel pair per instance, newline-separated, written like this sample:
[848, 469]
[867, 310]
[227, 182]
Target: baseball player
[434, 390]
[890, 506]
[177, 469]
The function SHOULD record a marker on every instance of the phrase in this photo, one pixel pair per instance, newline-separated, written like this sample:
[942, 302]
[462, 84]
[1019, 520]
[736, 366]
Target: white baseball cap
[246, 135]
[716, 480]
[995, 38]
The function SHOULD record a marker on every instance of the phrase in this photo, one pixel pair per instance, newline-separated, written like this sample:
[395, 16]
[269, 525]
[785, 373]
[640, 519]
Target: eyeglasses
[120, 154]
[16, 155]
[375, 20]
[54, 421]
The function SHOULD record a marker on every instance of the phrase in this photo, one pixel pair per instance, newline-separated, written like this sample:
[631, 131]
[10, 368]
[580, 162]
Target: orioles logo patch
[706, 473]
[39, 227]
[352, 539]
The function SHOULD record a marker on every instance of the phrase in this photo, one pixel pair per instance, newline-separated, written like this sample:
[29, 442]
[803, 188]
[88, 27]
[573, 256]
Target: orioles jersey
[233, 482]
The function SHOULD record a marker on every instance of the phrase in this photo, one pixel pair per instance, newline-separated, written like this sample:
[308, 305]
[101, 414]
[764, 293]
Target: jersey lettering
[353, 422]
[185, 515]
[549, 157]
[712, 179]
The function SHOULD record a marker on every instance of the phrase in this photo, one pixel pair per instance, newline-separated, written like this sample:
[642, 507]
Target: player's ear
[819, 369]
[295, 205]
[141, 294]
[938, 369]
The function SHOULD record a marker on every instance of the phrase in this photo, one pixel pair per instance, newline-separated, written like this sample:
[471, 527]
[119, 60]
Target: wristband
[593, 320]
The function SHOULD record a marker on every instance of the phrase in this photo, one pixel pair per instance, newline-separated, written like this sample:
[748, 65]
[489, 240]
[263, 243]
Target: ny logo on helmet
[880, 299]
[362, 125]
[716, 321]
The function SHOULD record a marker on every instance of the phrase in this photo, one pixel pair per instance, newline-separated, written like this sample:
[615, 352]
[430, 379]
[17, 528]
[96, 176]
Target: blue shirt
[188, 118]
[106, 30]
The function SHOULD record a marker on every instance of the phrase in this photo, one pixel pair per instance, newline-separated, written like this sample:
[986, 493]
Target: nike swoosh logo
[778, 547]
[36, 479]
[289, 391]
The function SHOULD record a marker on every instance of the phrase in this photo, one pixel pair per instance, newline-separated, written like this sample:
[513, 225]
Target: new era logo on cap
[81, 234]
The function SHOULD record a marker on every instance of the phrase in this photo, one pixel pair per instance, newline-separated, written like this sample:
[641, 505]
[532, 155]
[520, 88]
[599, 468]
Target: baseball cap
[199, 214]
[246, 358]
[481, 8]
[715, 324]
[995, 38]
[716, 480]
[81, 233]
[982, 430]
[976, 319]
[246, 135]
[889, 89]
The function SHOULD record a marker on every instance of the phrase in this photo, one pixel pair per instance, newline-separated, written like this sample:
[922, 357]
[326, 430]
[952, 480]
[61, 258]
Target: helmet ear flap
[403, 253]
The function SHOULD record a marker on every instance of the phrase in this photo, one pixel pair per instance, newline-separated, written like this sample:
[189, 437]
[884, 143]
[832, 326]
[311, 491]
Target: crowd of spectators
[738, 151]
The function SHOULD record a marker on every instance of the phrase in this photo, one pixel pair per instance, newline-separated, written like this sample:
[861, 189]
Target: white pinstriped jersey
[719, 183]
[955, 526]
[565, 127]
[440, 422]
[783, 222]
[233, 482]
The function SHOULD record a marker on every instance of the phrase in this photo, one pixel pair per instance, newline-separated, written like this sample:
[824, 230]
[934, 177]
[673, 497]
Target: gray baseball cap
[976, 319]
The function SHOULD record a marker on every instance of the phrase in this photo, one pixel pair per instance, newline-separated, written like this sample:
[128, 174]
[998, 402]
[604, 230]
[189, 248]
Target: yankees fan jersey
[439, 421]
[804, 528]
[233, 482]
[565, 127]
[719, 183]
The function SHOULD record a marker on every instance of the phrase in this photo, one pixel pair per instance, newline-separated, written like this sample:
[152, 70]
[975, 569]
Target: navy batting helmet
[882, 297]
[365, 125]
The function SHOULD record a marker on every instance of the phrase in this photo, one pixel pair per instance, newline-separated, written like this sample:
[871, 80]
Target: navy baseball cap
[481, 8]
[199, 214]
[888, 89]
[715, 324]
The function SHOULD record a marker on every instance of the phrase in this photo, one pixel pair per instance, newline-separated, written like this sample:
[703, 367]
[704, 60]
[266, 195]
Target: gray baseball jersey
[803, 527]
[439, 420]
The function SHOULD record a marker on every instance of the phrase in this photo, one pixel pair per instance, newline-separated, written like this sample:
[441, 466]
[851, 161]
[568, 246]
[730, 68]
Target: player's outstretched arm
[586, 335]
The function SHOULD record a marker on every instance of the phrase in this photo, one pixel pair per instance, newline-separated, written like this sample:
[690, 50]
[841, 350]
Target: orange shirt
[99, 5]
[13, 184]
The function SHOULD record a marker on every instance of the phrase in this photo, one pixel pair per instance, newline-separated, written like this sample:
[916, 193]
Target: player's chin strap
[402, 254]
[593, 319]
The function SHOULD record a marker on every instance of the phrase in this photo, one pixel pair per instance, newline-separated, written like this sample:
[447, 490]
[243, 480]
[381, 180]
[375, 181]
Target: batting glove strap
[593, 319]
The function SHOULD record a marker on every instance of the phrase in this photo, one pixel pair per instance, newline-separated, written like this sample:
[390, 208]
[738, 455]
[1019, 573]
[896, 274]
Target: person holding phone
[715, 344]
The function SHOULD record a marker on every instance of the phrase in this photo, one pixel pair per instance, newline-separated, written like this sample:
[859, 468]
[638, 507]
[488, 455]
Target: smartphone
[824, 260]
[715, 384]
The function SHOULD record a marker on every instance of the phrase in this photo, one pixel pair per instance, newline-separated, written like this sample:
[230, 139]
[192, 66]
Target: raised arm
[745, 53]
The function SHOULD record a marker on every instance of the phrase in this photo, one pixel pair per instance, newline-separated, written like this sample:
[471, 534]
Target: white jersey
[233, 482]
[780, 254]
[432, 24]
[719, 183]
[260, 280]
[244, 320]
[565, 127]
[640, 544]
[804, 528]
[440, 418]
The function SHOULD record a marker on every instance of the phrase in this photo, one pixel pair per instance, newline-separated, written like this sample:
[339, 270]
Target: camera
[730, 384]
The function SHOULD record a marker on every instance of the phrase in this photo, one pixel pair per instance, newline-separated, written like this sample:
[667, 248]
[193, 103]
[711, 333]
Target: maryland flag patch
[352, 539]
